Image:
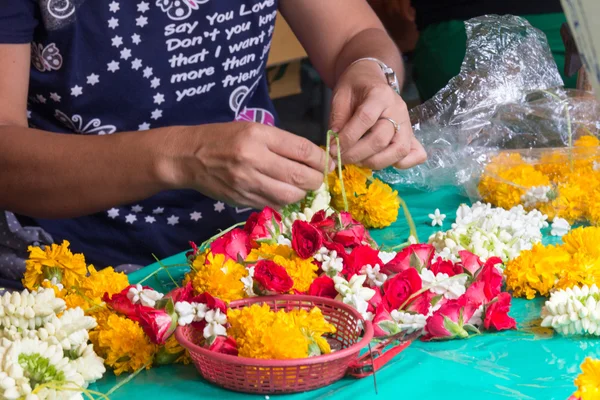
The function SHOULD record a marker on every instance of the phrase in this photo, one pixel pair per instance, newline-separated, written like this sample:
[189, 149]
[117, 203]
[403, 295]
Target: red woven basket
[250, 375]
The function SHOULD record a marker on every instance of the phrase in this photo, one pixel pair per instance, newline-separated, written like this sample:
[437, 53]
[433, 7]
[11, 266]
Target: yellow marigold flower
[583, 240]
[220, 277]
[587, 141]
[263, 333]
[123, 344]
[302, 272]
[54, 261]
[378, 208]
[536, 270]
[588, 382]
[172, 353]
[269, 251]
[582, 270]
[355, 184]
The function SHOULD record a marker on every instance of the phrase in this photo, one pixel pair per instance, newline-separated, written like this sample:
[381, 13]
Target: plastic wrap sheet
[506, 58]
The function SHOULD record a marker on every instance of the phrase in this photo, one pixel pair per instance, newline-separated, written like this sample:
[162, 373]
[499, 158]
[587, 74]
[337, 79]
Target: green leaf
[471, 328]
[416, 262]
[170, 307]
[161, 304]
[389, 327]
[436, 299]
[313, 349]
[454, 328]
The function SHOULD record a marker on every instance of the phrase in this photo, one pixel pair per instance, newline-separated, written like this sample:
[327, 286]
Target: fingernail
[331, 166]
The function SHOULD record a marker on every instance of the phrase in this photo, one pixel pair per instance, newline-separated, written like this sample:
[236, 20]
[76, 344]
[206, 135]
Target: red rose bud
[211, 302]
[421, 303]
[322, 222]
[263, 225]
[272, 278]
[470, 261]
[194, 252]
[306, 239]
[224, 345]
[442, 266]
[352, 232]
[185, 293]
[323, 286]
[360, 256]
[449, 321]
[496, 314]
[158, 325]
[400, 288]
[120, 303]
[417, 256]
[235, 244]
[491, 277]
[383, 324]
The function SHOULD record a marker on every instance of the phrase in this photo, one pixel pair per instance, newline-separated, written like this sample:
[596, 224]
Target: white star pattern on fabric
[156, 114]
[113, 213]
[113, 23]
[28, 114]
[92, 79]
[141, 21]
[219, 206]
[150, 219]
[155, 83]
[144, 126]
[159, 98]
[55, 97]
[125, 54]
[113, 66]
[76, 91]
[158, 210]
[130, 218]
[41, 98]
[135, 38]
[114, 7]
[136, 64]
[195, 216]
[117, 41]
[147, 72]
[137, 208]
[143, 7]
[173, 220]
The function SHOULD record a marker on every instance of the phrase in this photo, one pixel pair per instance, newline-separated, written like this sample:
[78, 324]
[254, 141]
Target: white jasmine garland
[248, 282]
[535, 195]
[29, 310]
[560, 227]
[489, 232]
[190, 312]
[375, 278]
[409, 322]
[87, 362]
[146, 297]
[354, 293]
[331, 264]
[442, 284]
[215, 324]
[573, 311]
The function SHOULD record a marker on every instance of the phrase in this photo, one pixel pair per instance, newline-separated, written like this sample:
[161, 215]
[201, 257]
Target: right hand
[248, 164]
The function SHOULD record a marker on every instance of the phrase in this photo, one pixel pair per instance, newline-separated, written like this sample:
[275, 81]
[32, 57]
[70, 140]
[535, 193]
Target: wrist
[388, 74]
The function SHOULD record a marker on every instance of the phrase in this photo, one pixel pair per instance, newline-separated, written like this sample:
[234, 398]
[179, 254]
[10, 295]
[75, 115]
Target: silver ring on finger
[396, 125]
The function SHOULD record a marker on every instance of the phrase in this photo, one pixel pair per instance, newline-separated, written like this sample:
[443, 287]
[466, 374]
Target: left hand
[362, 99]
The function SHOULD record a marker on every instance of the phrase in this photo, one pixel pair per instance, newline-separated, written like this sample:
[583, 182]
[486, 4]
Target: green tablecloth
[528, 363]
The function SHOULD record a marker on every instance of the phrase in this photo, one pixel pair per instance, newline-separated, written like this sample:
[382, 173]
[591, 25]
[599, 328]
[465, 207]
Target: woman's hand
[362, 100]
[245, 164]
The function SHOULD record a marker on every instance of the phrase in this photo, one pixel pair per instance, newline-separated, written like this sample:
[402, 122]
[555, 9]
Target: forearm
[49, 175]
[374, 43]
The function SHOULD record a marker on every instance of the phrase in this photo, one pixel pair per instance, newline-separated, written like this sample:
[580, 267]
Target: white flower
[248, 282]
[87, 363]
[354, 293]
[488, 232]
[375, 278]
[331, 264]
[409, 322]
[146, 297]
[29, 310]
[535, 195]
[386, 257]
[215, 324]
[477, 317]
[282, 240]
[560, 227]
[190, 312]
[573, 311]
[450, 287]
[360, 304]
[437, 218]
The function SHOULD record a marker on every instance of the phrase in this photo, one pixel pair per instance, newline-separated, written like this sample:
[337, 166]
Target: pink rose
[421, 304]
[224, 345]
[235, 244]
[158, 325]
[184, 293]
[448, 322]
[470, 261]
[263, 225]
[383, 323]
[496, 314]
[491, 277]
[400, 288]
[417, 256]
[441, 266]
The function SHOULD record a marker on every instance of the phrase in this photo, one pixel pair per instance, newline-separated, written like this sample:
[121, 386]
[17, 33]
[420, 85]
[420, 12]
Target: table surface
[528, 363]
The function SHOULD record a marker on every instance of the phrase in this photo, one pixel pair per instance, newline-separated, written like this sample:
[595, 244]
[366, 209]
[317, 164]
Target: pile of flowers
[488, 231]
[45, 351]
[332, 255]
[573, 311]
[588, 382]
[560, 183]
[546, 268]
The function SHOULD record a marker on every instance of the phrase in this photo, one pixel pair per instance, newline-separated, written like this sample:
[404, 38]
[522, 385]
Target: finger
[374, 142]
[341, 109]
[363, 119]
[278, 193]
[292, 172]
[396, 151]
[299, 149]
[416, 156]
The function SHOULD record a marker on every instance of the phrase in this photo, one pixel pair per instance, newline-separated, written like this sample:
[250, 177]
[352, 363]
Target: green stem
[327, 150]
[218, 235]
[162, 266]
[127, 380]
[341, 176]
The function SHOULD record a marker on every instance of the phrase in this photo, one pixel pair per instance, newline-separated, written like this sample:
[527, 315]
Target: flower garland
[560, 183]
[546, 268]
[490, 232]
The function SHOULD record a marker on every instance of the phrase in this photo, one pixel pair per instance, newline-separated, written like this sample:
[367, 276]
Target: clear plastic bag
[506, 59]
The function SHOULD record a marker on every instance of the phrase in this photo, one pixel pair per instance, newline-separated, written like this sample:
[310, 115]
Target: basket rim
[255, 362]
